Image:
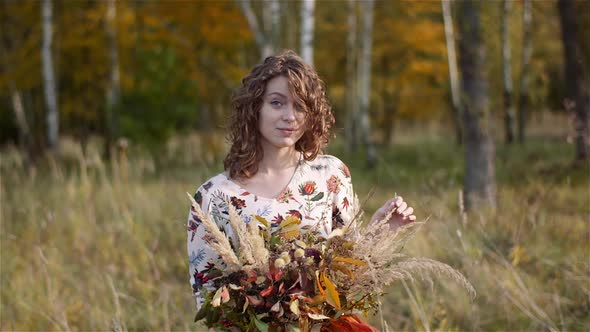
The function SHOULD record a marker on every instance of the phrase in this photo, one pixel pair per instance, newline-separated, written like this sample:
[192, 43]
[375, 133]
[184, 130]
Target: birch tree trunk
[453, 72]
[262, 39]
[307, 27]
[576, 99]
[365, 80]
[52, 116]
[7, 44]
[351, 79]
[507, 73]
[114, 89]
[479, 182]
[271, 10]
[527, 51]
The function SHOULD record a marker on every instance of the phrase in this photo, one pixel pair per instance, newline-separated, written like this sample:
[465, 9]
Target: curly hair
[309, 94]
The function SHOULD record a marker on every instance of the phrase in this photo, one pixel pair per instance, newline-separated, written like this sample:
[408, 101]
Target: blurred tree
[576, 98]
[479, 180]
[307, 28]
[49, 77]
[262, 37]
[453, 72]
[411, 74]
[524, 102]
[507, 73]
[364, 81]
[351, 77]
[114, 87]
[11, 41]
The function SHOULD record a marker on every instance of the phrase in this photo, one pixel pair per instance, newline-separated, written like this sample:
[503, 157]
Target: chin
[284, 143]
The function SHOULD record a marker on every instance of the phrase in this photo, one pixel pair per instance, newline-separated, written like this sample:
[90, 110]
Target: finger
[402, 207]
[408, 211]
[412, 218]
[391, 203]
[398, 200]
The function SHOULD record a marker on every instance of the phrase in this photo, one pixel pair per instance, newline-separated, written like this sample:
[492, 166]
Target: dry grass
[92, 246]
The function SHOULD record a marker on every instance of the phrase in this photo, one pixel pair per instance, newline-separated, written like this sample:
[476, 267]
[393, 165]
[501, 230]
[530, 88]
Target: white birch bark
[453, 71]
[365, 79]
[19, 113]
[274, 30]
[351, 77]
[262, 40]
[307, 28]
[52, 116]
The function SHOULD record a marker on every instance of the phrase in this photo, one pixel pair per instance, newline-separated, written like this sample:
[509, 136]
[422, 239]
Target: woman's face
[280, 123]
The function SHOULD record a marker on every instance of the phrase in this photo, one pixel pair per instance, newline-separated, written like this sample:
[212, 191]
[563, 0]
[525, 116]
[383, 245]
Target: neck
[276, 160]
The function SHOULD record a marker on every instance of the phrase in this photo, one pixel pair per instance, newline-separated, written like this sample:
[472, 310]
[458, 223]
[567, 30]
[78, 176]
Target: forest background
[111, 110]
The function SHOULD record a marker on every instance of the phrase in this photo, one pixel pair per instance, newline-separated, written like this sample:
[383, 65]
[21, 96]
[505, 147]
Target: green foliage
[160, 105]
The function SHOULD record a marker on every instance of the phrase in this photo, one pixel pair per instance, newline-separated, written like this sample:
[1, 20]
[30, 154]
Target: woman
[280, 124]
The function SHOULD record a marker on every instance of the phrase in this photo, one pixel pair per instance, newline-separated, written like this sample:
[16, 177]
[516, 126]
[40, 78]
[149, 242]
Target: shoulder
[213, 185]
[330, 164]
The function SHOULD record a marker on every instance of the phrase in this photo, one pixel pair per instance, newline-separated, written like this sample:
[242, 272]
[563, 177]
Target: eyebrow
[276, 93]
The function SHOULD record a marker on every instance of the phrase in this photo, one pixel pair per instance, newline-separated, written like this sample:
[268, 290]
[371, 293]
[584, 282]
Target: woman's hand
[402, 214]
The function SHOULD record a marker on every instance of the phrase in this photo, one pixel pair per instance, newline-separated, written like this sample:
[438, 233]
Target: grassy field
[89, 245]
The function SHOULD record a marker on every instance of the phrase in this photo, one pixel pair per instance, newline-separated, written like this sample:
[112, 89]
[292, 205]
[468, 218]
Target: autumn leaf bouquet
[295, 278]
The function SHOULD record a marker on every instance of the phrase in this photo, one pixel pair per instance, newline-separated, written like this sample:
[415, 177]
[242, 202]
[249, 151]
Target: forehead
[279, 84]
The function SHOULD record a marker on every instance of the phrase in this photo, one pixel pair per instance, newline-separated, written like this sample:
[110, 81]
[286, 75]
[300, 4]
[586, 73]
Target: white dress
[319, 193]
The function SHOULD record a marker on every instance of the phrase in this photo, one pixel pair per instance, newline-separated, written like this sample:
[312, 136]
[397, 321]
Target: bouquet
[292, 278]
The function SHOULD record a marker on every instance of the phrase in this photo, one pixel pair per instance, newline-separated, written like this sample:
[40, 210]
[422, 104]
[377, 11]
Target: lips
[287, 131]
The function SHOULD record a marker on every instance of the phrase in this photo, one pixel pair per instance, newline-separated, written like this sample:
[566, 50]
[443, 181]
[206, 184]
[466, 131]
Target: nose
[289, 113]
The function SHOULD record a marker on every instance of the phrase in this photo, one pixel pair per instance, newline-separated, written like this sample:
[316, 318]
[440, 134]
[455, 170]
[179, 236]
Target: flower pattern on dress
[307, 188]
[334, 184]
[285, 196]
[319, 193]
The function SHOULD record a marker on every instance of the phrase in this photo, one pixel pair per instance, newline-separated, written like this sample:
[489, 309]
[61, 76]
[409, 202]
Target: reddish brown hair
[309, 93]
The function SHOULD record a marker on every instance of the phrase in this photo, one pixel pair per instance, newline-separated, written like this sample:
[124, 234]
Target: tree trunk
[262, 40]
[25, 139]
[52, 115]
[351, 87]
[365, 80]
[307, 27]
[271, 18]
[507, 73]
[390, 114]
[576, 99]
[524, 97]
[453, 72]
[479, 182]
[114, 89]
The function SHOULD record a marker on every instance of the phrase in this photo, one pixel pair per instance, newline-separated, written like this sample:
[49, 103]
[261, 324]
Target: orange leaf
[332, 295]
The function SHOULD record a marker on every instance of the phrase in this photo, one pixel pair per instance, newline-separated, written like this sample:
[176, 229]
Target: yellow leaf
[262, 221]
[343, 269]
[348, 260]
[294, 306]
[290, 234]
[317, 279]
[332, 295]
[291, 220]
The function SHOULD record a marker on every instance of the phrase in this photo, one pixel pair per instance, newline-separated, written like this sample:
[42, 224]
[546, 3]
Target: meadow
[87, 244]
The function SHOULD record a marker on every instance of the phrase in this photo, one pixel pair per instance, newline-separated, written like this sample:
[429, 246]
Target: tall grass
[90, 245]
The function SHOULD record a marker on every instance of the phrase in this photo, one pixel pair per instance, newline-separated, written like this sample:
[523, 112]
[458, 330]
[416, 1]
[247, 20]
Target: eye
[276, 103]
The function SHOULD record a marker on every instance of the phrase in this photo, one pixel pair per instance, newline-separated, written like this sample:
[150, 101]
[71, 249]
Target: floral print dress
[319, 193]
